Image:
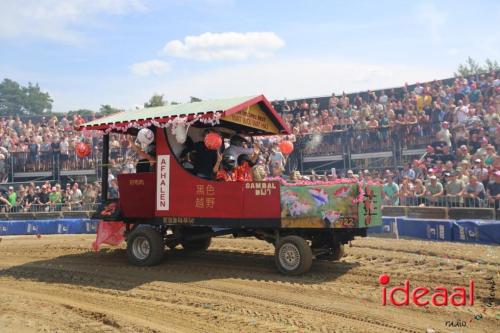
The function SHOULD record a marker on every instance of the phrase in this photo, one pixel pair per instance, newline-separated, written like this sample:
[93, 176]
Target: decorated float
[170, 206]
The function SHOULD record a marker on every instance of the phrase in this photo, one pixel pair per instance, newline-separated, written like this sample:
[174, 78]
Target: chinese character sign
[205, 197]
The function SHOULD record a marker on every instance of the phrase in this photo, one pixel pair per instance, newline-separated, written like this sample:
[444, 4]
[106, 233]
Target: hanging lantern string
[213, 120]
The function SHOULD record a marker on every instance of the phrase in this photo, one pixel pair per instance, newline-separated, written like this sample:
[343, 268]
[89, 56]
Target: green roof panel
[170, 111]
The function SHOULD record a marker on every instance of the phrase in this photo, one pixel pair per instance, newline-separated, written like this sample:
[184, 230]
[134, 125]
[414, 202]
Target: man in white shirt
[444, 134]
[462, 112]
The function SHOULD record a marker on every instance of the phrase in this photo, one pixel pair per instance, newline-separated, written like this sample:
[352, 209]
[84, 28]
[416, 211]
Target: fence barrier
[48, 227]
[464, 230]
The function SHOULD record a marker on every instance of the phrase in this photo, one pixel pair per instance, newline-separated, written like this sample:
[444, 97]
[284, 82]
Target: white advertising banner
[163, 182]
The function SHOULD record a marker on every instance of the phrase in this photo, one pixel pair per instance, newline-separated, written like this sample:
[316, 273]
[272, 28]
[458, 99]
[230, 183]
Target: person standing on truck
[206, 160]
[244, 169]
[146, 150]
[238, 145]
[226, 172]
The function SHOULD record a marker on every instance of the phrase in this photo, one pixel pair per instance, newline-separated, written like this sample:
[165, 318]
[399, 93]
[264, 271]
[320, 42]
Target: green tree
[11, 98]
[86, 113]
[472, 67]
[155, 100]
[106, 110]
[18, 100]
[36, 101]
[194, 99]
[491, 65]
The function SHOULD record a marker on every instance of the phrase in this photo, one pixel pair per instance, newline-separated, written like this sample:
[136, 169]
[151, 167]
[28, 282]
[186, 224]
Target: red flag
[110, 233]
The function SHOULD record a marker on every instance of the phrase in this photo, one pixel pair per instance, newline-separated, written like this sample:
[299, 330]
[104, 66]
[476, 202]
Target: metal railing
[49, 207]
[444, 201]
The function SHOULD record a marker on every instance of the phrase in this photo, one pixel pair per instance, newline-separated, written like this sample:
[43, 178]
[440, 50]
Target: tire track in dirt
[232, 287]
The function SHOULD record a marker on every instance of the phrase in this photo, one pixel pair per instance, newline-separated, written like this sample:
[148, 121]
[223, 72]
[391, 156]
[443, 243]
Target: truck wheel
[293, 256]
[145, 247]
[335, 254]
[197, 245]
[338, 251]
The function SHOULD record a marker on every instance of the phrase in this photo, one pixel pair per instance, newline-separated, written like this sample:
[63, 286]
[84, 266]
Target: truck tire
[338, 251]
[145, 247]
[293, 256]
[197, 245]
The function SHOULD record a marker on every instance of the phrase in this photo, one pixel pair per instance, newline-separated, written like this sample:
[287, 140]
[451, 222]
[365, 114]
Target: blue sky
[119, 52]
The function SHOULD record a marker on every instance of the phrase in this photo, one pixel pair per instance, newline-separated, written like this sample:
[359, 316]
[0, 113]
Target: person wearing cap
[12, 196]
[238, 145]
[42, 199]
[493, 190]
[434, 191]
[474, 193]
[55, 199]
[454, 190]
[350, 174]
[227, 169]
[480, 171]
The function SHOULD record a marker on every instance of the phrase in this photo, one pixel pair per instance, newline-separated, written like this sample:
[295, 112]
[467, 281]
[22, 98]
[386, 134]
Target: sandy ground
[57, 284]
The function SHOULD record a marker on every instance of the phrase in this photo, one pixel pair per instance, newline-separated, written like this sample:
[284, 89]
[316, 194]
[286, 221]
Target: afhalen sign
[163, 182]
[422, 296]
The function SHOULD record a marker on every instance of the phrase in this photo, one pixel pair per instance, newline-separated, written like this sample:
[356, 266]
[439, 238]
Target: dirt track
[56, 284]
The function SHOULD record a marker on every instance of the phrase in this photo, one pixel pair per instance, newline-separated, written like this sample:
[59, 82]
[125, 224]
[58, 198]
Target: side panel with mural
[370, 209]
[330, 206]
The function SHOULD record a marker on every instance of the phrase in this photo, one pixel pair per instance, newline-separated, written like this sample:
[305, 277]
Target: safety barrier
[469, 231]
[464, 230]
[48, 227]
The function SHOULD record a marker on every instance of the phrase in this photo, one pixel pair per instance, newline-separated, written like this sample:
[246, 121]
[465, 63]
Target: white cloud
[433, 19]
[151, 67]
[57, 19]
[225, 46]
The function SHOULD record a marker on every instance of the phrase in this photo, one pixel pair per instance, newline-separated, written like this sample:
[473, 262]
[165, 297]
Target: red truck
[170, 205]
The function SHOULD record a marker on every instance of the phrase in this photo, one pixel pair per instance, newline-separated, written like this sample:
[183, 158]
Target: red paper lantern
[286, 147]
[82, 150]
[213, 141]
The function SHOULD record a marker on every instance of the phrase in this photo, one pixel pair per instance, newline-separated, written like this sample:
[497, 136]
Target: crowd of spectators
[405, 114]
[460, 120]
[50, 198]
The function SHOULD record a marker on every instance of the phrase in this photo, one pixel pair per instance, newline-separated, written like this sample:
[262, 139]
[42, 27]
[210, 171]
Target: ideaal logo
[423, 296]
